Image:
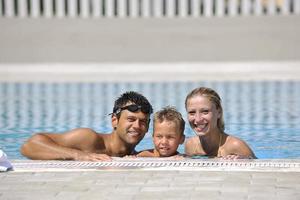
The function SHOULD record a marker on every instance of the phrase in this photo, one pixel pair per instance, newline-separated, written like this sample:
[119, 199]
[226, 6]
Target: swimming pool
[266, 114]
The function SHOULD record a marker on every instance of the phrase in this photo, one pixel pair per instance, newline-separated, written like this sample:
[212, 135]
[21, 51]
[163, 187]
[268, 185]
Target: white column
[157, 8]
[96, 8]
[8, 8]
[146, 8]
[170, 8]
[23, 8]
[109, 8]
[258, 7]
[48, 8]
[285, 9]
[182, 8]
[271, 7]
[59, 8]
[195, 8]
[72, 8]
[233, 6]
[220, 9]
[84, 8]
[245, 9]
[35, 8]
[296, 6]
[122, 7]
[134, 8]
[208, 7]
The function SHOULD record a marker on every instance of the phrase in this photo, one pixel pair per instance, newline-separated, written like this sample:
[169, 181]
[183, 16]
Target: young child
[168, 133]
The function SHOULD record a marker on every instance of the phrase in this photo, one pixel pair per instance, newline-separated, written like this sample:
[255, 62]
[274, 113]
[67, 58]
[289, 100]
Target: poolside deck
[267, 38]
[266, 179]
[242, 48]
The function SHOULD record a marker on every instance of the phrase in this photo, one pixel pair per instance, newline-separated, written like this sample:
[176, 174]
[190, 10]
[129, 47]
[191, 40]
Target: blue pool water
[264, 114]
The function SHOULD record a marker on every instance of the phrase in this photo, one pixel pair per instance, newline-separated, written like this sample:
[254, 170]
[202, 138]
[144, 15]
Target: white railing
[145, 8]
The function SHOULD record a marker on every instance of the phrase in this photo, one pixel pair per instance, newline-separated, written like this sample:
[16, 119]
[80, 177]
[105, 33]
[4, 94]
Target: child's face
[166, 138]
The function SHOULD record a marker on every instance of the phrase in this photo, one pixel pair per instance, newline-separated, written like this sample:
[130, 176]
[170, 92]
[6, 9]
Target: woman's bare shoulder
[237, 146]
[192, 140]
[234, 142]
[192, 146]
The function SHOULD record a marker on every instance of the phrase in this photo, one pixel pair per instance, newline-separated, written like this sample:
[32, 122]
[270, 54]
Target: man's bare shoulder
[86, 131]
[83, 138]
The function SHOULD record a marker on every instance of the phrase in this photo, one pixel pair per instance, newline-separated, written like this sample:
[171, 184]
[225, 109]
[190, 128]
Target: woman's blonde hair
[213, 97]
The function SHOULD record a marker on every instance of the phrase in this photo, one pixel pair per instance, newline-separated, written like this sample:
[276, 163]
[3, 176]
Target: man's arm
[71, 145]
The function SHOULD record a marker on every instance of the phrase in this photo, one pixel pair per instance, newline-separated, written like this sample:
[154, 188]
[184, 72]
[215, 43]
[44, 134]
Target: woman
[205, 116]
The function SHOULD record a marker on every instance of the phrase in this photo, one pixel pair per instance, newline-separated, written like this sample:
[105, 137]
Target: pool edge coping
[146, 164]
[153, 72]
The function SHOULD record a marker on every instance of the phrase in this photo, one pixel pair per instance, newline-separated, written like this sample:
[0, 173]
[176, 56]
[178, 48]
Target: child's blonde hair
[171, 114]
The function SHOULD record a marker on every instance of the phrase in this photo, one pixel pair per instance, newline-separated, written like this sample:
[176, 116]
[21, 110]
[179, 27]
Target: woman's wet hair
[212, 97]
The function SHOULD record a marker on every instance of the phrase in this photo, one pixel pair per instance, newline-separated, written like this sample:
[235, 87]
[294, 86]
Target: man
[130, 121]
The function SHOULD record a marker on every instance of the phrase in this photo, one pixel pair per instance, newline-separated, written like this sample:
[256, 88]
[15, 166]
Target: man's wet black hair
[134, 98]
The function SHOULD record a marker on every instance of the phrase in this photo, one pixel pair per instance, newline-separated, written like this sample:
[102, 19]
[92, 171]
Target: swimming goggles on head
[133, 108]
